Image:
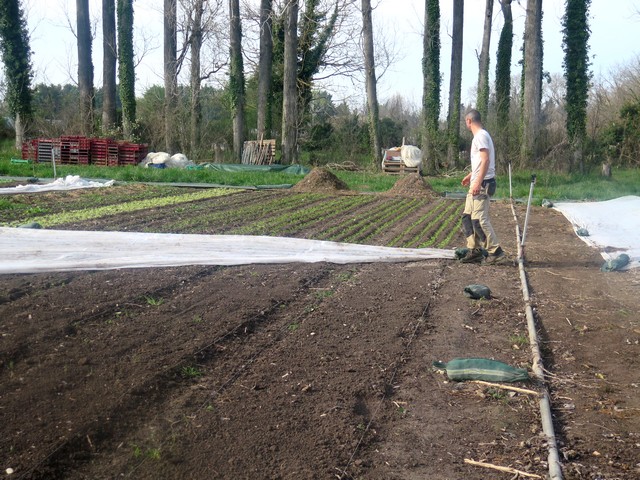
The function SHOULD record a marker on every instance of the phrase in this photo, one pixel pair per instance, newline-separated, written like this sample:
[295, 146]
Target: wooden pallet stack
[259, 152]
[392, 163]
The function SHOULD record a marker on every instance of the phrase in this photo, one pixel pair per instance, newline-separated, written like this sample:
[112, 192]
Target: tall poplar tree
[16, 56]
[85, 67]
[431, 85]
[290, 91]
[455, 83]
[170, 74]
[370, 80]
[503, 84]
[265, 70]
[576, 73]
[236, 78]
[126, 73]
[109, 59]
[532, 94]
[483, 63]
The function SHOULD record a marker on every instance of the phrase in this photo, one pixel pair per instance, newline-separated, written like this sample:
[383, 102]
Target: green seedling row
[243, 214]
[21, 208]
[127, 207]
[346, 231]
[396, 241]
[393, 220]
[430, 225]
[289, 222]
[378, 224]
[443, 226]
[456, 228]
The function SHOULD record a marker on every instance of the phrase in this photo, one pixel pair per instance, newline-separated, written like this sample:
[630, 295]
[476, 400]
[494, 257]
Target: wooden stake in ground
[502, 469]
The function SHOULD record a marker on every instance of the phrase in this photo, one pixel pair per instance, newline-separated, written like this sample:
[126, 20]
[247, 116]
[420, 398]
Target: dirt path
[315, 371]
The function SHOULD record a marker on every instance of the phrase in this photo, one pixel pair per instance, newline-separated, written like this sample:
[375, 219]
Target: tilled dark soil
[316, 370]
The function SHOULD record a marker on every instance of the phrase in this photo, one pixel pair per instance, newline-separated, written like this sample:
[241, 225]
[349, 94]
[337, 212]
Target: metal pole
[526, 218]
[53, 161]
[510, 183]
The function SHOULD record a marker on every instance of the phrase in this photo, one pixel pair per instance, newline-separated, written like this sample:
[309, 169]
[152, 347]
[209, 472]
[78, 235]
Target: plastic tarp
[240, 167]
[411, 155]
[70, 182]
[27, 250]
[613, 225]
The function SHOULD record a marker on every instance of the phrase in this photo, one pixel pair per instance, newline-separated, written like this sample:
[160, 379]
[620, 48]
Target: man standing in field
[482, 185]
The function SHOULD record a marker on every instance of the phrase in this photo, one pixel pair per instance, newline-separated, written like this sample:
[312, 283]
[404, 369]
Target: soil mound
[412, 185]
[320, 180]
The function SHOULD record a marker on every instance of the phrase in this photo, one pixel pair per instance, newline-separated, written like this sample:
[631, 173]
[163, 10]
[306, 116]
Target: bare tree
[170, 74]
[109, 59]
[265, 68]
[532, 82]
[85, 66]
[290, 93]
[370, 78]
[482, 101]
[455, 83]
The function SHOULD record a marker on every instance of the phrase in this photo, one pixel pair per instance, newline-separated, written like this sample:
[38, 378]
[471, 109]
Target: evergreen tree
[16, 56]
[431, 84]
[126, 71]
[576, 72]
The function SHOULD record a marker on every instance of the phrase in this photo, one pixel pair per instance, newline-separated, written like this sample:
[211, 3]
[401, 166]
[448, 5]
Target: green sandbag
[460, 369]
[460, 252]
[477, 291]
[616, 263]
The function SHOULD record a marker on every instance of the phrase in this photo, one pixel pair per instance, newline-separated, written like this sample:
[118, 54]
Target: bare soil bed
[315, 371]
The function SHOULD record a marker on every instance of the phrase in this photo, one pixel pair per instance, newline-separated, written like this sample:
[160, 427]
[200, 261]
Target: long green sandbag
[460, 369]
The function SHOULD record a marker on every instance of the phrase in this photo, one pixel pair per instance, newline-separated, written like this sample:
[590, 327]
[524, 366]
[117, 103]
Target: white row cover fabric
[70, 182]
[613, 223]
[26, 250]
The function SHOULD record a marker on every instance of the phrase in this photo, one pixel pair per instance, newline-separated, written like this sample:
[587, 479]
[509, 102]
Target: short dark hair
[474, 116]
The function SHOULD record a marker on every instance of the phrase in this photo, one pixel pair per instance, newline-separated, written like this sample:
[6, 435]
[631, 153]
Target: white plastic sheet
[27, 250]
[70, 182]
[612, 224]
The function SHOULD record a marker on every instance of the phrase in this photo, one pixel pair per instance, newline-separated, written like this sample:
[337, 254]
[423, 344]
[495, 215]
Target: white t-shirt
[481, 140]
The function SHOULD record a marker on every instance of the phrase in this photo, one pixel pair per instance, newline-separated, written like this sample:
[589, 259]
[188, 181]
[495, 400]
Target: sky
[614, 42]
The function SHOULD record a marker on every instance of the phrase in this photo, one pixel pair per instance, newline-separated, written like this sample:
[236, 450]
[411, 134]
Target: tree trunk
[431, 85]
[532, 82]
[455, 84]
[236, 79]
[483, 64]
[19, 128]
[126, 69]
[503, 87]
[265, 68]
[170, 75]
[370, 76]
[108, 66]
[576, 73]
[16, 56]
[196, 46]
[85, 67]
[290, 91]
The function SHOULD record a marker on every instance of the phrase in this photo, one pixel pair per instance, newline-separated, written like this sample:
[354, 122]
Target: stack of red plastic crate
[74, 150]
[104, 152]
[30, 150]
[131, 153]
